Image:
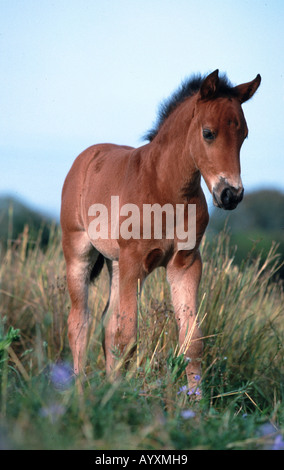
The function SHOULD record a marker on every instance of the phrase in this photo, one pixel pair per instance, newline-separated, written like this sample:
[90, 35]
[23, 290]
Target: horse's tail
[97, 268]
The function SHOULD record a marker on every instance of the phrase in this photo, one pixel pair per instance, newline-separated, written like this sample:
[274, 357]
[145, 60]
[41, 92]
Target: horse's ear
[247, 90]
[209, 85]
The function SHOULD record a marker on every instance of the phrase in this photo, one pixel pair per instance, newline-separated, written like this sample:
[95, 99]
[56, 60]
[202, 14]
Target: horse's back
[94, 174]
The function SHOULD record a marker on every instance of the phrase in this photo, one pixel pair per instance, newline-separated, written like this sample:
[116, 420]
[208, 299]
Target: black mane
[188, 87]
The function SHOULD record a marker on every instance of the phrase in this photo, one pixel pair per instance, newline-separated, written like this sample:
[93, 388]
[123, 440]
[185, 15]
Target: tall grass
[241, 312]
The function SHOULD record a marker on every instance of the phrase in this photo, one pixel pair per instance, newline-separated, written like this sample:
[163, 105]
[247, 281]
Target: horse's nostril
[227, 197]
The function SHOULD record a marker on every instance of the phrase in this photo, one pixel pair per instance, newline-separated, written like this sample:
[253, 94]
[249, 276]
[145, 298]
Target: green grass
[241, 310]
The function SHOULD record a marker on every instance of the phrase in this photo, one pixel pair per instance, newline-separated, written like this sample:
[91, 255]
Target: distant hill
[14, 215]
[256, 222]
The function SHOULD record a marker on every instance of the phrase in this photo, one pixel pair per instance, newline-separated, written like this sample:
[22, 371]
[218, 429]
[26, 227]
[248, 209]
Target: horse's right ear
[247, 90]
[209, 85]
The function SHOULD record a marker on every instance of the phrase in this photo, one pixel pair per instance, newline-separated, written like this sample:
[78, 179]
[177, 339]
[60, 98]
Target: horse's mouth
[215, 200]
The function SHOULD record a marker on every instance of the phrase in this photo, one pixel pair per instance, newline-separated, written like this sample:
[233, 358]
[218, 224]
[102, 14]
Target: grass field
[241, 310]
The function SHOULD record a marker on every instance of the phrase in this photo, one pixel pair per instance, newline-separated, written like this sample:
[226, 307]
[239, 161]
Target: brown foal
[200, 131]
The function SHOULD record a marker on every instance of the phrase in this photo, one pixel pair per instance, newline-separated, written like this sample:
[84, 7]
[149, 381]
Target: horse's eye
[208, 135]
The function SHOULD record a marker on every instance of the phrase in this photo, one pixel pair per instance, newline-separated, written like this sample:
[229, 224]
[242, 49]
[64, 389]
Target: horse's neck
[176, 172]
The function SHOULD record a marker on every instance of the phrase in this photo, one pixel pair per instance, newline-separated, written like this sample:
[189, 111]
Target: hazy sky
[79, 72]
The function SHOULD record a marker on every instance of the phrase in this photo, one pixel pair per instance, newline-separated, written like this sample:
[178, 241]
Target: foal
[200, 131]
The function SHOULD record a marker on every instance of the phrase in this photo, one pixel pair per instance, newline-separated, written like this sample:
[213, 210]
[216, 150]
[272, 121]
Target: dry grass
[241, 310]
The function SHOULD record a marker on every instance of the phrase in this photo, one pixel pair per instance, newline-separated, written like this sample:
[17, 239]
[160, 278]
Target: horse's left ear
[209, 85]
[247, 90]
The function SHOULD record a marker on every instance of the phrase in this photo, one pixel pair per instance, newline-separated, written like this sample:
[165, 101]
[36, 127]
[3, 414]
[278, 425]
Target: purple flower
[52, 412]
[194, 391]
[182, 389]
[197, 378]
[187, 414]
[266, 429]
[278, 443]
[61, 376]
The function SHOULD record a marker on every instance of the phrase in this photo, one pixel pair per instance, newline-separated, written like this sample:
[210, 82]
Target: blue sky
[79, 72]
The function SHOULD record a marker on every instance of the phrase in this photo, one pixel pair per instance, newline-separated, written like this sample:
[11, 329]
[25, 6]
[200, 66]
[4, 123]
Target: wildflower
[194, 391]
[197, 378]
[61, 376]
[187, 414]
[52, 412]
[182, 389]
[266, 429]
[278, 443]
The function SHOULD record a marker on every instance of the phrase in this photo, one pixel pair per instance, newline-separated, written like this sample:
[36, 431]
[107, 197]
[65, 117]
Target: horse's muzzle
[228, 197]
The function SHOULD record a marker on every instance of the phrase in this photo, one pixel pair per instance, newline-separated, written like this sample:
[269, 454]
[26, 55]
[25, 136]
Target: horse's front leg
[121, 319]
[184, 274]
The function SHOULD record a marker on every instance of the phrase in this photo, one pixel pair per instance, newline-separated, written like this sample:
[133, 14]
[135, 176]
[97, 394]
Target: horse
[199, 132]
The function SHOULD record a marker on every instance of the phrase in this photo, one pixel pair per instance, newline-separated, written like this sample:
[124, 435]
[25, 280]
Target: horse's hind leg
[110, 315]
[120, 321]
[80, 258]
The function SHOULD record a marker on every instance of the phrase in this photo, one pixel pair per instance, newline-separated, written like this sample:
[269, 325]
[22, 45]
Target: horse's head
[219, 131]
